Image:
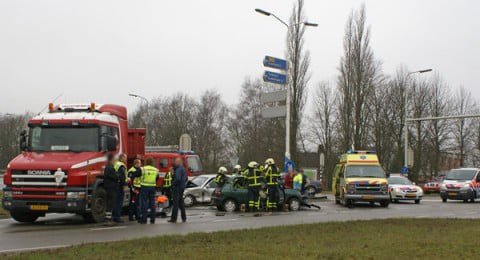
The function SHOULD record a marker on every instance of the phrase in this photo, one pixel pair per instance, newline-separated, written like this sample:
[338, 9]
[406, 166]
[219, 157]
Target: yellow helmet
[252, 164]
[269, 161]
[222, 170]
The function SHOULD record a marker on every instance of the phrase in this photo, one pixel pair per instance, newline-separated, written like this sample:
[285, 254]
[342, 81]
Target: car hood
[366, 180]
[55, 160]
[456, 183]
[405, 187]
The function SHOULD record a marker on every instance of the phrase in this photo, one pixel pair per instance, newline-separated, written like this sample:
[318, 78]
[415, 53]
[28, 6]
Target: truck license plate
[39, 207]
[368, 197]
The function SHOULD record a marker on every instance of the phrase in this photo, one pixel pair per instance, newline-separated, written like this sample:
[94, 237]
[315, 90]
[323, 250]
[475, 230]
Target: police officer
[147, 190]
[110, 182]
[221, 177]
[121, 169]
[253, 175]
[272, 176]
[135, 182]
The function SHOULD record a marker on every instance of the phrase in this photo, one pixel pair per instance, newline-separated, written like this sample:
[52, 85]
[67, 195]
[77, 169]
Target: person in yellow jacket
[134, 175]
[167, 188]
[148, 182]
[271, 178]
[120, 167]
[253, 179]
[297, 181]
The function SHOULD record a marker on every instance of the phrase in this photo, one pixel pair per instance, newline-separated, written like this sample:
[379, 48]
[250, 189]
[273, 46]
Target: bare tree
[359, 75]
[299, 75]
[10, 128]
[463, 129]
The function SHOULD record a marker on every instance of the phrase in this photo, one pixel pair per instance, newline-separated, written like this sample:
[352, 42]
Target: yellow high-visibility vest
[167, 180]
[137, 183]
[117, 166]
[149, 176]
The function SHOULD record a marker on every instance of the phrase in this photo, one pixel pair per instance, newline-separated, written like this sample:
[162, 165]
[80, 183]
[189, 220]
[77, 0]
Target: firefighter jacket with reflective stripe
[135, 174]
[272, 175]
[220, 179]
[253, 177]
[149, 176]
[121, 170]
[167, 180]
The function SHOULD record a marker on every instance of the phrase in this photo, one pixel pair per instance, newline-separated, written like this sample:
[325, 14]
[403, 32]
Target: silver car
[199, 190]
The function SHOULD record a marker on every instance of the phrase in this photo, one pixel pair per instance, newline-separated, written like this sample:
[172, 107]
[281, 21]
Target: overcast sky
[102, 50]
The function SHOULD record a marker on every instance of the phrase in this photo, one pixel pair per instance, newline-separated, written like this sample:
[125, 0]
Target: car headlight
[7, 194]
[397, 189]
[76, 195]
[466, 186]
[443, 186]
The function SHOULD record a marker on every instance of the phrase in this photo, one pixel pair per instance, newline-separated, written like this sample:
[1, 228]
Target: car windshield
[399, 181]
[199, 180]
[364, 171]
[194, 164]
[64, 138]
[461, 174]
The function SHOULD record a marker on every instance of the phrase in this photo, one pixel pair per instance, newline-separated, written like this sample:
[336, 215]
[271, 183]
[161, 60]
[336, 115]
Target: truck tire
[24, 217]
[98, 207]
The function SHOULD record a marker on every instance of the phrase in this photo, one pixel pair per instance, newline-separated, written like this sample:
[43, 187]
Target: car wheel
[189, 201]
[98, 207]
[229, 205]
[417, 201]
[24, 217]
[294, 204]
[311, 191]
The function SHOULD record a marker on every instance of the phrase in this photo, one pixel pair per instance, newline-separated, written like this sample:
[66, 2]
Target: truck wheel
[294, 204]
[384, 203]
[24, 217]
[188, 201]
[98, 207]
[229, 205]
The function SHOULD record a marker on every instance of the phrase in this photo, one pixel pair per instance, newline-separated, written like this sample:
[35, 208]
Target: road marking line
[224, 220]
[31, 248]
[421, 217]
[107, 228]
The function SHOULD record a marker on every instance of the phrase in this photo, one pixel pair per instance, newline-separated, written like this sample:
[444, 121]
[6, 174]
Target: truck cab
[359, 177]
[63, 153]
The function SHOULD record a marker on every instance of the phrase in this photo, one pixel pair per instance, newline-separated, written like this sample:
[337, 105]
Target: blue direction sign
[404, 170]
[274, 77]
[275, 63]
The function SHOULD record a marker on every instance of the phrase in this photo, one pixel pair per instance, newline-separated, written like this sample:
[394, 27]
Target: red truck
[60, 168]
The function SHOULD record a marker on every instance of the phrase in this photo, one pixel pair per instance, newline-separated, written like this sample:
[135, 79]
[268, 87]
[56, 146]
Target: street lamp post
[406, 115]
[146, 103]
[288, 99]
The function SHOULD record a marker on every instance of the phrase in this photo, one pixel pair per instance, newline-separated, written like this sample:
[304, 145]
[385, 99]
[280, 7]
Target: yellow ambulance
[359, 177]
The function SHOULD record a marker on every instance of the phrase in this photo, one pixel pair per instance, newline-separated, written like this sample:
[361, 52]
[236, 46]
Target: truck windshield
[194, 163]
[364, 171]
[64, 138]
[463, 175]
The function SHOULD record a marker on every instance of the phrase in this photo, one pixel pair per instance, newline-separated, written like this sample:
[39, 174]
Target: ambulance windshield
[364, 171]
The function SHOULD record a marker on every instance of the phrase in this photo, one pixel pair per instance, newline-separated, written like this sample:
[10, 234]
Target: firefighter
[134, 175]
[120, 167]
[167, 188]
[237, 170]
[252, 174]
[271, 177]
[110, 182]
[147, 190]
[221, 177]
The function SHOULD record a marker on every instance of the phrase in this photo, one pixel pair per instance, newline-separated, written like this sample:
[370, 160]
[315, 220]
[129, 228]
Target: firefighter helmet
[222, 170]
[252, 164]
[269, 161]
[237, 167]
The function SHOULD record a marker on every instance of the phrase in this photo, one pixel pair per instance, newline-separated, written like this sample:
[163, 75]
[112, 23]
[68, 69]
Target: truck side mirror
[110, 143]
[23, 140]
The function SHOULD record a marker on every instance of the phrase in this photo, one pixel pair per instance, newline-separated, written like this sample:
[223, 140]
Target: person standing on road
[252, 174]
[147, 191]
[167, 188]
[297, 182]
[121, 169]
[135, 184]
[110, 183]
[180, 179]
[271, 176]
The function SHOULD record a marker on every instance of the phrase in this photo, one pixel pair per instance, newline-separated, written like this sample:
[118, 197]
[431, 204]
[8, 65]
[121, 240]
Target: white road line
[107, 228]
[31, 248]
[225, 220]
[421, 217]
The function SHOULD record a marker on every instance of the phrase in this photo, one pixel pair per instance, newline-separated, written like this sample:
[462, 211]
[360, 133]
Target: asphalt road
[57, 230]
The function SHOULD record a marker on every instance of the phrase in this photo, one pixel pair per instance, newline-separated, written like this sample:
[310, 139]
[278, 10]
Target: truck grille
[368, 188]
[37, 178]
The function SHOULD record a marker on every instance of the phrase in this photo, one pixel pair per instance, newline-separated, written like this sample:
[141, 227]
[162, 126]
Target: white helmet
[269, 161]
[237, 167]
[222, 170]
[252, 164]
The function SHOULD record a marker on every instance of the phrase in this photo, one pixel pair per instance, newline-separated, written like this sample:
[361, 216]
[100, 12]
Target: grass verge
[3, 213]
[375, 239]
